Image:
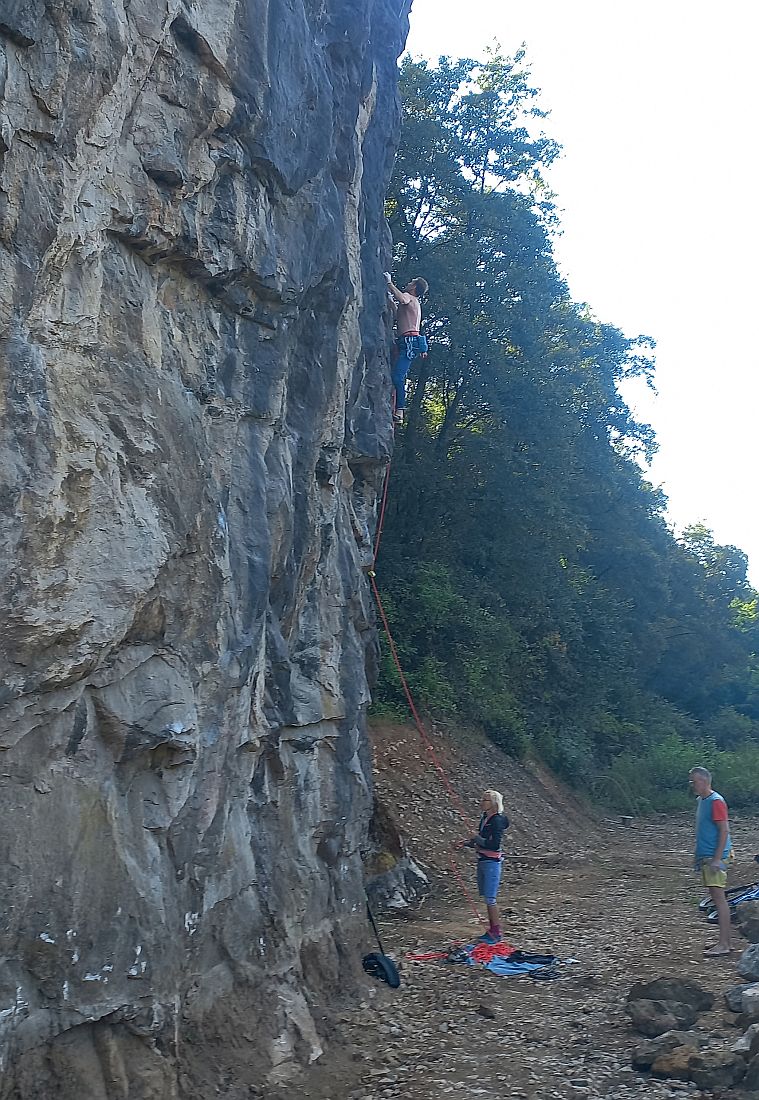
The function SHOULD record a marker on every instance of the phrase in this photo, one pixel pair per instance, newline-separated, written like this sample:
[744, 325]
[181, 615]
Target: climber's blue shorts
[488, 879]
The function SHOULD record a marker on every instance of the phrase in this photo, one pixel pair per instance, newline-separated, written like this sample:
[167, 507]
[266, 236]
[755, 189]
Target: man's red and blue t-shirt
[710, 812]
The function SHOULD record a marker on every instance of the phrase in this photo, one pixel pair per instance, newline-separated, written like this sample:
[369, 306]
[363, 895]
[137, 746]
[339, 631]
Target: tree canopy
[527, 562]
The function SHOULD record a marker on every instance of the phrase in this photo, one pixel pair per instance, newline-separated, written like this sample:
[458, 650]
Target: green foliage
[657, 779]
[532, 582]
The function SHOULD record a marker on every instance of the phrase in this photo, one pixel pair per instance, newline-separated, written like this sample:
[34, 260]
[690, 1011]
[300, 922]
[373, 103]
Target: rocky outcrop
[195, 419]
[395, 883]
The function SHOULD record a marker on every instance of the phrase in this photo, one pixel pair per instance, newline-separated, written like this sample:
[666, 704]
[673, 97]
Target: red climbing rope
[383, 506]
[425, 739]
[455, 799]
[460, 878]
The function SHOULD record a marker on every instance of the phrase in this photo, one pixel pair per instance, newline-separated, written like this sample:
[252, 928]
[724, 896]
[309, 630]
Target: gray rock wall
[194, 418]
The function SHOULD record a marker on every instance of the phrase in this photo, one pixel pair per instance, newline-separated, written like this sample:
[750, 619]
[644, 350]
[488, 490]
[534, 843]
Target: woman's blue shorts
[488, 879]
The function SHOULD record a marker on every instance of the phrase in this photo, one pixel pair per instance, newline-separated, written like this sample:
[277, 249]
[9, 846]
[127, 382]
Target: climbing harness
[412, 344]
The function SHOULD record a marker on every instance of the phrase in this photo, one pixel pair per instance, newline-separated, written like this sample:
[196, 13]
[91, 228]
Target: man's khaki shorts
[715, 878]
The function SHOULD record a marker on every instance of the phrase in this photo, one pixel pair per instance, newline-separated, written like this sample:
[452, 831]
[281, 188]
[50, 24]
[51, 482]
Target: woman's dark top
[488, 840]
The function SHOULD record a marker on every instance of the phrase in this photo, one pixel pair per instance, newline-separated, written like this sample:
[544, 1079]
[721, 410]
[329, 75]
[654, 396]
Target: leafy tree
[527, 562]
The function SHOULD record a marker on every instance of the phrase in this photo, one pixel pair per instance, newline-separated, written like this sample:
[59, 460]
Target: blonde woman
[487, 844]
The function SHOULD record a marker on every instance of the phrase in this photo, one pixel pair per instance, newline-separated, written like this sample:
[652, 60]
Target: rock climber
[714, 851]
[487, 844]
[409, 341]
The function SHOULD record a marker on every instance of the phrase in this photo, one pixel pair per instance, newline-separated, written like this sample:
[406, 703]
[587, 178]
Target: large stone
[748, 1044]
[394, 881]
[654, 1018]
[734, 996]
[646, 1054]
[682, 990]
[716, 1069]
[750, 1003]
[750, 1082]
[748, 964]
[194, 427]
[747, 920]
[709, 1069]
[674, 1064]
[666, 1004]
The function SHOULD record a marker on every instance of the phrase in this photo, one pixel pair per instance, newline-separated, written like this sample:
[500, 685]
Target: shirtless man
[408, 321]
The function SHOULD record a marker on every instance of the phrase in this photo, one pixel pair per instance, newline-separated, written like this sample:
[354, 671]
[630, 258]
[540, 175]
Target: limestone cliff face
[194, 418]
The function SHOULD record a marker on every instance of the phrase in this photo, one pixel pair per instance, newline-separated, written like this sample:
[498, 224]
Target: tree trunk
[415, 408]
[449, 421]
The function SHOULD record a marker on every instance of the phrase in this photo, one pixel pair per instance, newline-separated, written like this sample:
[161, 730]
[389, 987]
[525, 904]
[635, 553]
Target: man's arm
[399, 296]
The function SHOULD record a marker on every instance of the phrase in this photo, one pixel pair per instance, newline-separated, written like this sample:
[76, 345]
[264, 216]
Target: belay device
[377, 964]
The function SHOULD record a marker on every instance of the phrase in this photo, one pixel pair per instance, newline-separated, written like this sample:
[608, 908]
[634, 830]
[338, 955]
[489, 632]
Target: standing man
[410, 342]
[714, 850]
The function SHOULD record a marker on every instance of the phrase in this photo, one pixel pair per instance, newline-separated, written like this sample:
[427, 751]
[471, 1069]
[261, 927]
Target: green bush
[433, 687]
[657, 778]
[730, 728]
[464, 659]
[736, 775]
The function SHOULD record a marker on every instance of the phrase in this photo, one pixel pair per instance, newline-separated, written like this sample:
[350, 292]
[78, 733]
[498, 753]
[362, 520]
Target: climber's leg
[399, 373]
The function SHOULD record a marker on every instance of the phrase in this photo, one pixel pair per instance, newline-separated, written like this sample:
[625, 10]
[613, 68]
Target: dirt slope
[546, 819]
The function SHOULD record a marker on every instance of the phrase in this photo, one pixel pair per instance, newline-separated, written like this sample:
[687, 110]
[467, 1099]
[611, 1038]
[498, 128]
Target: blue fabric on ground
[505, 967]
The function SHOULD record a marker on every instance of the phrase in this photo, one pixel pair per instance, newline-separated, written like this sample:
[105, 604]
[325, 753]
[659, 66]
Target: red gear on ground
[484, 952]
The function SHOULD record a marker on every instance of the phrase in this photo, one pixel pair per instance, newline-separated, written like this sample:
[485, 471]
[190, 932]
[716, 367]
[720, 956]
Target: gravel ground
[617, 897]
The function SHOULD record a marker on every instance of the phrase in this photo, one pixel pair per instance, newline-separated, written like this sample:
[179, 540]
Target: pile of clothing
[498, 958]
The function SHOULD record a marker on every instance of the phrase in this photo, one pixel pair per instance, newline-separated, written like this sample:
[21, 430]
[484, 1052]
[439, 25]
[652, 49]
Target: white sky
[656, 104]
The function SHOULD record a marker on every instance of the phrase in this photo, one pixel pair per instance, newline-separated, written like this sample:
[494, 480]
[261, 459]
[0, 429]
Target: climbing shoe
[489, 938]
